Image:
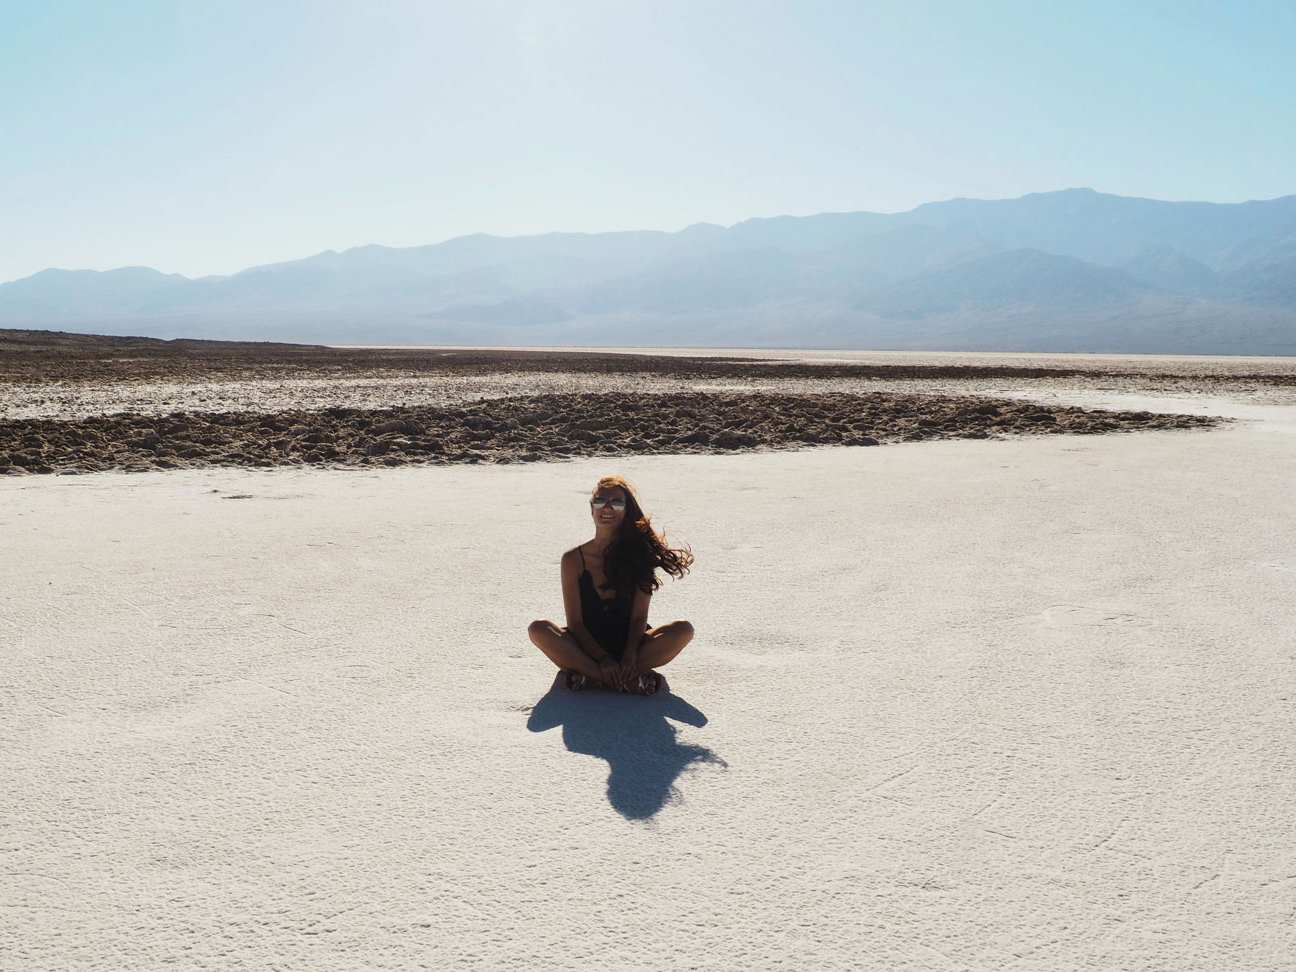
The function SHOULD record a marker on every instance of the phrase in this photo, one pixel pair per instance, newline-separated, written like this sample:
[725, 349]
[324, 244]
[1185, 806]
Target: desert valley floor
[993, 666]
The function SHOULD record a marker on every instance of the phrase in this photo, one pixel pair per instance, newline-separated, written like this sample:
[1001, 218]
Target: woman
[607, 583]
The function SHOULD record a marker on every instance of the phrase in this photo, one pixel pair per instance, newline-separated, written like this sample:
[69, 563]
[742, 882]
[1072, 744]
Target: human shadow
[633, 734]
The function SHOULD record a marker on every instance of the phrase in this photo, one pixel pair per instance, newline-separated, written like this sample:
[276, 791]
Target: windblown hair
[637, 552]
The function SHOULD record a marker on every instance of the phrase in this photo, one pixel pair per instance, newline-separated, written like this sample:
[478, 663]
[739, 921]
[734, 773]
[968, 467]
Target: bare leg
[663, 643]
[561, 649]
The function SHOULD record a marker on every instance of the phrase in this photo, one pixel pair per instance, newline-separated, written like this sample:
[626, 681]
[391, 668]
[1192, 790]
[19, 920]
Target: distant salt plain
[1005, 704]
[1122, 375]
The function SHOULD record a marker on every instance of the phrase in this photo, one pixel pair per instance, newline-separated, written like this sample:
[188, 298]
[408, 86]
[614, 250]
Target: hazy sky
[203, 138]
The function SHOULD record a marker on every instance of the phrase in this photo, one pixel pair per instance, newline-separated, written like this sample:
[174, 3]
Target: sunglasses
[598, 502]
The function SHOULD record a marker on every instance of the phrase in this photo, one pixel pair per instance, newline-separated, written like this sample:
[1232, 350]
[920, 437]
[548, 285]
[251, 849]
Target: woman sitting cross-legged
[607, 583]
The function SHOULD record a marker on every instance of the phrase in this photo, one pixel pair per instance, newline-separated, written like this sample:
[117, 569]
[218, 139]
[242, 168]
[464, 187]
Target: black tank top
[597, 611]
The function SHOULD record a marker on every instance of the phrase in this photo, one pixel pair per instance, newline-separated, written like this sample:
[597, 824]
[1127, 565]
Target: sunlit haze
[206, 138]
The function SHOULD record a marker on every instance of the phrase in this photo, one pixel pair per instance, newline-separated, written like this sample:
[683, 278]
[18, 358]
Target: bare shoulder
[572, 556]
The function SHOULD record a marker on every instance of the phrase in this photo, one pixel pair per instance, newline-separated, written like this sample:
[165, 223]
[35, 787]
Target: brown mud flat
[528, 428]
[53, 357]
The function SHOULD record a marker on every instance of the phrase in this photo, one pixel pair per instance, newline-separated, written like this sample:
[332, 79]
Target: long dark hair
[632, 559]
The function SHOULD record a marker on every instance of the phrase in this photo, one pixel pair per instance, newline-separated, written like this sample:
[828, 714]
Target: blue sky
[202, 138]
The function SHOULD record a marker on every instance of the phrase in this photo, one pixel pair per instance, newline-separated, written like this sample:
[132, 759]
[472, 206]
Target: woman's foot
[574, 680]
[648, 684]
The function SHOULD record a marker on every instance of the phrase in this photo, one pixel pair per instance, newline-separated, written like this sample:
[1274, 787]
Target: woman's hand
[629, 670]
[610, 672]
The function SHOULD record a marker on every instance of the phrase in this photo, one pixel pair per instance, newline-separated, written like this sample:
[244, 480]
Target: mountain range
[1074, 270]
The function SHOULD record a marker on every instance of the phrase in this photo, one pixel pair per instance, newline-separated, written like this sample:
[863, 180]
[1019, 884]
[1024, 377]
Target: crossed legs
[659, 646]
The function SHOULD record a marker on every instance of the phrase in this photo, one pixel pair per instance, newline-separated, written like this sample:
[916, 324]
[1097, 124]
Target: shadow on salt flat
[633, 734]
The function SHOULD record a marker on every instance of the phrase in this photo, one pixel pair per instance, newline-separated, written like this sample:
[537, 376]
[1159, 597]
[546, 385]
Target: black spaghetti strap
[582, 553]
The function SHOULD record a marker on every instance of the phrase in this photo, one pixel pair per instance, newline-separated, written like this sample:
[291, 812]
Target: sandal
[574, 680]
[649, 683]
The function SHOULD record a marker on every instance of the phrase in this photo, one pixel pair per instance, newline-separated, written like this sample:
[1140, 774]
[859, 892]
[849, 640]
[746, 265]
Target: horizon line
[686, 228]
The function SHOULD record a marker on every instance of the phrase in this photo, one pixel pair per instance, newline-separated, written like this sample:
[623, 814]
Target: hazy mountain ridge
[1077, 270]
[1016, 278]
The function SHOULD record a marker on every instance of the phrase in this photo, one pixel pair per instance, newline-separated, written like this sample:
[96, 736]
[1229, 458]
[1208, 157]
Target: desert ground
[993, 666]
[79, 404]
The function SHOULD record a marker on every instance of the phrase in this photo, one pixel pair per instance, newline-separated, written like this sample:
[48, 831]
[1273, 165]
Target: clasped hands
[616, 675]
